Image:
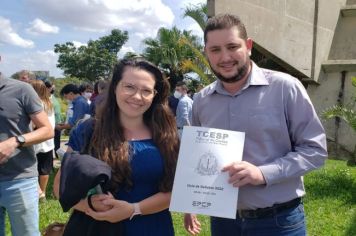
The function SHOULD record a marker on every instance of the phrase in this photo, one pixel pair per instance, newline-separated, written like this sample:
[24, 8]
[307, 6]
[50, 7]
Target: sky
[29, 29]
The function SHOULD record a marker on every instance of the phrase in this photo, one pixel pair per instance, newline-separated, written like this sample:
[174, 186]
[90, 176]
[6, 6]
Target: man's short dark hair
[182, 85]
[225, 21]
[48, 83]
[69, 88]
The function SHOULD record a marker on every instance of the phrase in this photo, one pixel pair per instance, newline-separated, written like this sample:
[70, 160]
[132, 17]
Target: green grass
[330, 204]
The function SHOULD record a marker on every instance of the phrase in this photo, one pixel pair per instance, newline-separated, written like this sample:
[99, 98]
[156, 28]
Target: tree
[91, 61]
[167, 51]
[346, 113]
[199, 64]
[198, 12]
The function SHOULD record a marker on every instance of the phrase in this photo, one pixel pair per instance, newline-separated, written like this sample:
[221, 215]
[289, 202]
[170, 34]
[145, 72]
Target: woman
[135, 133]
[44, 150]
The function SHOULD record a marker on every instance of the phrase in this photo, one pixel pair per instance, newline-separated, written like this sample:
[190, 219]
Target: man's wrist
[20, 140]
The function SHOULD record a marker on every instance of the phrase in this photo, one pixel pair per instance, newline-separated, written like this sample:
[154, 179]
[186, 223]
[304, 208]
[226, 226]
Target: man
[24, 76]
[184, 107]
[284, 137]
[19, 105]
[99, 98]
[80, 106]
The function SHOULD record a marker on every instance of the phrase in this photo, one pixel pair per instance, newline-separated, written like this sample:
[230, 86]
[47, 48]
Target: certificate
[200, 186]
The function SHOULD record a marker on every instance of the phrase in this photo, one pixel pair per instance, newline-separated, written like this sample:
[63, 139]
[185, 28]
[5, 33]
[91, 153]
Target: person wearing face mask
[184, 107]
[80, 106]
[86, 90]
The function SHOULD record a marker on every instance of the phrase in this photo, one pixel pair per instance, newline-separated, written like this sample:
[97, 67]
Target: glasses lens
[131, 89]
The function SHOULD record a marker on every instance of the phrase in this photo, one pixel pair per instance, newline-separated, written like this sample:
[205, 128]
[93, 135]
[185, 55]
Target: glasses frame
[124, 86]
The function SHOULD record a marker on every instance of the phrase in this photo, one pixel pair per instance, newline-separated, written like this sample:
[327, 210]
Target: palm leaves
[199, 64]
[346, 113]
[343, 112]
[198, 12]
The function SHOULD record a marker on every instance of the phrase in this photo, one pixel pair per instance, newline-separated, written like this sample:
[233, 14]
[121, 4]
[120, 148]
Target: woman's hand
[97, 202]
[192, 224]
[118, 211]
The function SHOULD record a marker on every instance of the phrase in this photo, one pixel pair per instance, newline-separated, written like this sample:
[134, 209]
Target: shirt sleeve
[79, 110]
[307, 137]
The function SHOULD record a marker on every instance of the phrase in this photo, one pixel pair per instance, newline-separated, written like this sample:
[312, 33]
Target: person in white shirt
[44, 150]
[184, 107]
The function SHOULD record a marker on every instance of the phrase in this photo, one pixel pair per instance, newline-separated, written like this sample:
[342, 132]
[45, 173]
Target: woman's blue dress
[146, 174]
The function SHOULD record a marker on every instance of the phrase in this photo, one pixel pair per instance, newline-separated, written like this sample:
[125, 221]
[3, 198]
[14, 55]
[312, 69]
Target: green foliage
[130, 55]
[167, 52]
[330, 204]
[344, 112]
[92, 61]
[199, 64]
[198, 12]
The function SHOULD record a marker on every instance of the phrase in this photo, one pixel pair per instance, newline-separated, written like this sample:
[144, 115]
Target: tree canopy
[167, 51]
[94, 60]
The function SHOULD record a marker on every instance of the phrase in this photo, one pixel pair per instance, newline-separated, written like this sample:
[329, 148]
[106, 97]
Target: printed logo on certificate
[199, 185]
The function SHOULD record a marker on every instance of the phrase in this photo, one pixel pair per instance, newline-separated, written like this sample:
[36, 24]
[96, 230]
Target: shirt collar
[255, 78]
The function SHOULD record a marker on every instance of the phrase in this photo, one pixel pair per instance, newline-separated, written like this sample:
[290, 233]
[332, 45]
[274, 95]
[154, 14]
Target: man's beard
[240, 74]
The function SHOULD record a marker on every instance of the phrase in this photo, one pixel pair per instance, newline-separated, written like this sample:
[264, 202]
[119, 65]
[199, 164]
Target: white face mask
[177, 94]
[87, 95]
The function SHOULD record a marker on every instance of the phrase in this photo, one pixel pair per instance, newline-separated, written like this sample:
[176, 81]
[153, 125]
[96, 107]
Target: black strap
[90, 203]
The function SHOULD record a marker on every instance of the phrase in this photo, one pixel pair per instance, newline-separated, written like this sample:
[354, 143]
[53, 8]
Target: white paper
[199, 185]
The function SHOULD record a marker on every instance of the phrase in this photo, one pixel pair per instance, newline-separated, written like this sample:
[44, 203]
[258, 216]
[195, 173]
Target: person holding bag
[135, 134]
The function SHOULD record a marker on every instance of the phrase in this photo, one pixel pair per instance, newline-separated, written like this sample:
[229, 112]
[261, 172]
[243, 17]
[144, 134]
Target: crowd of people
[132, 124]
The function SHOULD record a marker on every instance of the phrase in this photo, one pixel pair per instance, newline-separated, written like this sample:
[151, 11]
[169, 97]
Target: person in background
[86, 90]
[57, 116]
[44, 150]
[25, 76]
[284, 136]
[173, 103]
[184, 107]
[20, 105]
[135, 133]
[80, 106]
[99, 98]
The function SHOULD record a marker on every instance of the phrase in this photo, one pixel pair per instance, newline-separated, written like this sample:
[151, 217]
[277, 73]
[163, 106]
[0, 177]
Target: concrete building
[314, 40]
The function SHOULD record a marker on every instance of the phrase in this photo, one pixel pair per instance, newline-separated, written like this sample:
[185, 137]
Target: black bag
[80, 224]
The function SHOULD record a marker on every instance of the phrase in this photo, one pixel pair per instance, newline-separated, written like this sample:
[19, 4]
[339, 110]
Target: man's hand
[192, 224]
[7, 147]
[243, 173]
[61, 126]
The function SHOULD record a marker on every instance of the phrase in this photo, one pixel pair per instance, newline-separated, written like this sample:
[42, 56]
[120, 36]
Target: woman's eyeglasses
[130, 89]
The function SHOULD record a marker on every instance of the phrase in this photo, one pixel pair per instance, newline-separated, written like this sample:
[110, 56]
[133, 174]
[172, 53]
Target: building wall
[325, 95]
[286, 28]
[305, 34]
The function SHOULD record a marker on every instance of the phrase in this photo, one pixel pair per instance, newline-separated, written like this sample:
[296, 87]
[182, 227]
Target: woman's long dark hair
[108, 141]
